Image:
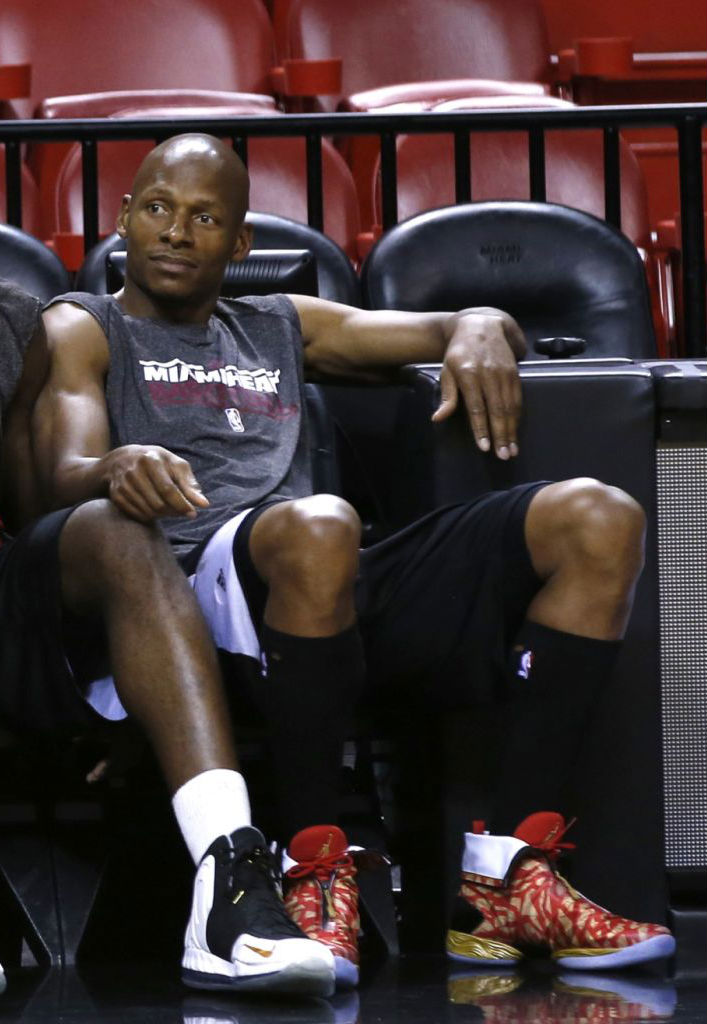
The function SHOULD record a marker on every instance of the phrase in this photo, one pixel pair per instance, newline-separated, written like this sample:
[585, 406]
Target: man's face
[181, 227]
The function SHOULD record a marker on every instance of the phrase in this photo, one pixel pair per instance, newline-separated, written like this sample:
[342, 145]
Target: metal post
[389, 179]
[693, 237]
[240, 144]
[89, 171]
[462, 166]
[612, 177]
[536, 163]
[315, 199]
[13, 184]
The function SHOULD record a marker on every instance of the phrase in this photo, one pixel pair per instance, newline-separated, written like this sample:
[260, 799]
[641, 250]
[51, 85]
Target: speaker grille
[682, 547]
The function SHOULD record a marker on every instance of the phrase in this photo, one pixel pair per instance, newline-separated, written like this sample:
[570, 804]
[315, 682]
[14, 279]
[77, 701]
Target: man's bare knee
[584, 522]
[307, 542]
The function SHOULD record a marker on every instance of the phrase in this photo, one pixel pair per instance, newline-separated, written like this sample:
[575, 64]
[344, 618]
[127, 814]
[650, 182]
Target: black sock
[553, 682]
[308, 695]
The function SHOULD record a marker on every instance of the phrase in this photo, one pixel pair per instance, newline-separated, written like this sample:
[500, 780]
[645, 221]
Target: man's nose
[179, 231]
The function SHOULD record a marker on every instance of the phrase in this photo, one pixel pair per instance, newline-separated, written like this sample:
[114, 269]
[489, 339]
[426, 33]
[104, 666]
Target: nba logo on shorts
[525, 664]
[234, 418]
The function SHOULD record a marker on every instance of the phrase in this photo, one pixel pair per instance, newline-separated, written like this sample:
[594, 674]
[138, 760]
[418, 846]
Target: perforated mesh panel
[682, 546]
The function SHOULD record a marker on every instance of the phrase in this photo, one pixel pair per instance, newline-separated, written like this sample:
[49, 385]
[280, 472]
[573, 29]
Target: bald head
[204, 156]
[183, 224]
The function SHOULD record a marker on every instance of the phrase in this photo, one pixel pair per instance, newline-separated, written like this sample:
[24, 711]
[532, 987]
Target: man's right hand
[147, 482]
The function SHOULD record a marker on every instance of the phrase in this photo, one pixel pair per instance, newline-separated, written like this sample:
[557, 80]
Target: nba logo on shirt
[234, 418]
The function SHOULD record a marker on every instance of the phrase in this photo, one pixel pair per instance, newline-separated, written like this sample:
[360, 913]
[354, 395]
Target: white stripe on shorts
[220, 595]
[222, 601]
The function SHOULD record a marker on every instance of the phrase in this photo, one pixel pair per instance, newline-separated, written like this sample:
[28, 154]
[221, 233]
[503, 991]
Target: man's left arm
[478, 349]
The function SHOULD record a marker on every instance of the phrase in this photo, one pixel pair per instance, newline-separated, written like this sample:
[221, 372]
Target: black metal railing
[687, 119]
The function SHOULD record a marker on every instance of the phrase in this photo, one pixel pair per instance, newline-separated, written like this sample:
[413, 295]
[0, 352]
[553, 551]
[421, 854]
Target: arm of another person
[478, 349]
[72, 435]
[21, 500]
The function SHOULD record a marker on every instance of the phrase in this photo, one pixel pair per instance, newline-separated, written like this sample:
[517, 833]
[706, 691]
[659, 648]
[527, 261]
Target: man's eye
[154, 208]
[205, 218]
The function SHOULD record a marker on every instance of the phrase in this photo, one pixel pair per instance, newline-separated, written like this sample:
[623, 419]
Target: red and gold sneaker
[511, 899]
[321, 895]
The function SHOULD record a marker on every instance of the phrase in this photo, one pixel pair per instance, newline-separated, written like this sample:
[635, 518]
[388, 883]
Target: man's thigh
[440, 601]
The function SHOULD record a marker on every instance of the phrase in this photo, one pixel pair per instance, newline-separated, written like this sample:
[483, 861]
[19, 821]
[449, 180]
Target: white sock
[212, 804]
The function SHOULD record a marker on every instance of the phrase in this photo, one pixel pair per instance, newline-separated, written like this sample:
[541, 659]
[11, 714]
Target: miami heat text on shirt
[176, 372]
[222, 387]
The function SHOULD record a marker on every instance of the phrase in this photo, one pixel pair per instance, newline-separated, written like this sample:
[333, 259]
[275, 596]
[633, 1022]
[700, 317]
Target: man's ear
[244, 243]
[121, 224]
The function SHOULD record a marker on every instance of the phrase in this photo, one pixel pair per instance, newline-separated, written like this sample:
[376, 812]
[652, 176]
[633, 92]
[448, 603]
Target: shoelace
[267, 906]
[321, 867]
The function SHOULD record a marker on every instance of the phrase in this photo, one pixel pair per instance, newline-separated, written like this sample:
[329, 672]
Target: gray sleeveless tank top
[227, 396]
[19, 318]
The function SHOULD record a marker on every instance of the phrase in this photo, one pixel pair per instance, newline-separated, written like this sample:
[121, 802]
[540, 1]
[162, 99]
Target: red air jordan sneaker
[321, 895]
[511, 900]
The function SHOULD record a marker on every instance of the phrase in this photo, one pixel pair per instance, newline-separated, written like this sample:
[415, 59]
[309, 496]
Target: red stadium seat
[500, 170]
[46, 159]
[90, 58]
[278, 181]
[361, 153]
[383, 44]
[394, 61]
[30, 198]
[574, 168]
[90, 46]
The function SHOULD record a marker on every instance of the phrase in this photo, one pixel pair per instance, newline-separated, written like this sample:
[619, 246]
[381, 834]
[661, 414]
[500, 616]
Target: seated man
[89, 580]
[187, 410]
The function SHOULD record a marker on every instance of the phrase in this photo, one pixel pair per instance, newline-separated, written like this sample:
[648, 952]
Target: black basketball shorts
[441, 599]
[38, 690]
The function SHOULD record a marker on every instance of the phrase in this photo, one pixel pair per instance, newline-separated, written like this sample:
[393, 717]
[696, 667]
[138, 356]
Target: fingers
[492, 398]
[188, 484]
[152, 483]
[133, 508]
[476, 408]
[449, 396]
[504, 402]
[164, 490]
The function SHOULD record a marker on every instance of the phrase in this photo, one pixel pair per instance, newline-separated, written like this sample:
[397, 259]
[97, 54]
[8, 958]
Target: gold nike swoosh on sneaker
[265, 953]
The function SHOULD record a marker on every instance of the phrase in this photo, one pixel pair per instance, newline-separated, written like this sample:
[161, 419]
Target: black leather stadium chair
[30, 264]
[560, 272]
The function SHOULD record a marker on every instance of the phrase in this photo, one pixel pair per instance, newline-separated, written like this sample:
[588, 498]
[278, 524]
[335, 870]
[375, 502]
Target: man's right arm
[71, 432]
[70, 422]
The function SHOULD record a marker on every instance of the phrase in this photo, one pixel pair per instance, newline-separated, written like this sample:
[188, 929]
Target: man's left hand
[480, 363]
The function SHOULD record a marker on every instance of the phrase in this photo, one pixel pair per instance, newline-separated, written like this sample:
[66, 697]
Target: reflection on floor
[414, 990]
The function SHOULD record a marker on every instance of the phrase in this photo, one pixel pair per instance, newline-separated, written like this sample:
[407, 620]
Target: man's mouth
[172, 262]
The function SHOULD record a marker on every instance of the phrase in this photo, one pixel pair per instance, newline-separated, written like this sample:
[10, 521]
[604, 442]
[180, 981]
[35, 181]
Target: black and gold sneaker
[239, 936]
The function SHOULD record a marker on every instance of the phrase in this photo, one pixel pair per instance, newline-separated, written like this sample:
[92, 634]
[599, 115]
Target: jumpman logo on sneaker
[326, 847]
